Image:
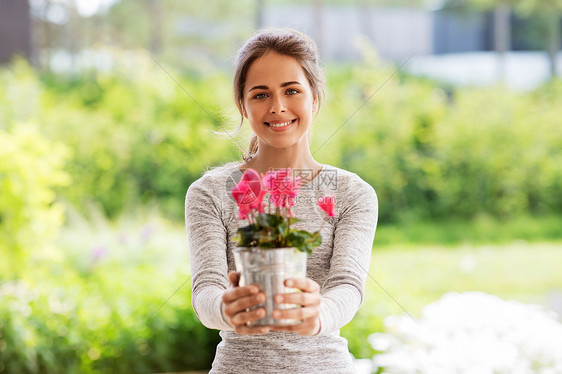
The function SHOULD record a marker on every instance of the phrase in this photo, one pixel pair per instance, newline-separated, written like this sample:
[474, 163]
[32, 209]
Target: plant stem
[322, 225]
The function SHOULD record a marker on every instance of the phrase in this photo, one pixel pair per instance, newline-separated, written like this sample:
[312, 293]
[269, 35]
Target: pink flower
[282, 187]
[248, 193]
[328, 205]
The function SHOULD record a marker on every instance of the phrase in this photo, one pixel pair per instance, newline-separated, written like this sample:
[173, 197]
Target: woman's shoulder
[216, 176]
[352, 191]
[214, 173]
[345, 181]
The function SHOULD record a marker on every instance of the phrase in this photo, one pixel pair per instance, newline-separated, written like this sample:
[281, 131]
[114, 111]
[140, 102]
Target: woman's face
[278, 101]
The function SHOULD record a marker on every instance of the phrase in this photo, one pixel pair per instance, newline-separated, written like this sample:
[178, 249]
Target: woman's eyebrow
[258, 88]
[266, 87]
[289, 83]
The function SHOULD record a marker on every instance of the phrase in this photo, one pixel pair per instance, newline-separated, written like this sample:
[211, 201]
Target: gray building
[396, 33]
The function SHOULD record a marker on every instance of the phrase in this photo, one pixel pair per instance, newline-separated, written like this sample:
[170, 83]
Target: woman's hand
[309, 300]
[237, 300]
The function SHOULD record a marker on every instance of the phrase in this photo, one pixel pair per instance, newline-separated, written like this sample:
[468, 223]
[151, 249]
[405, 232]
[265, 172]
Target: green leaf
[248, 236]
[316, 240]
[294, 220]
[268, 245]
[269, 220]
[283, 229]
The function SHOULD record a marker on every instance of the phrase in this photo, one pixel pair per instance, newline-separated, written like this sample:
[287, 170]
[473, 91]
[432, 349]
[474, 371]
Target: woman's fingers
[236, 293]
[241, 298]
[234, 278]
[310, 295]
[237, 302]
[308, 299]
[303, 284]
[296, 313]
[242, 318]
[299, 298]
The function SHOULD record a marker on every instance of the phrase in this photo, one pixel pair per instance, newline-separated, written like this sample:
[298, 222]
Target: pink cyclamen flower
[248, 193]
[282, 187]
[328, 205]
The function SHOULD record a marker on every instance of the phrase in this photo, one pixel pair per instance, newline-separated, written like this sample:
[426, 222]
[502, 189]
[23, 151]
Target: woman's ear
[315, 104]
[244, 112]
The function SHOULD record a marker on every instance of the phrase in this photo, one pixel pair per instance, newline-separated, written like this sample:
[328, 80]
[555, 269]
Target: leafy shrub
[87, 328]
[101, 301]
[434, 155]
[136, 136]
[30, 167]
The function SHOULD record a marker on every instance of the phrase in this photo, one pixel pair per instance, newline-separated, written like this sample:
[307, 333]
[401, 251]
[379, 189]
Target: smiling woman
[278, 87]
[279, 100]
[295, 71]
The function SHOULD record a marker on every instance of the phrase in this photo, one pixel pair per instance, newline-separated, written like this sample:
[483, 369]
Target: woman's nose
[277, 106]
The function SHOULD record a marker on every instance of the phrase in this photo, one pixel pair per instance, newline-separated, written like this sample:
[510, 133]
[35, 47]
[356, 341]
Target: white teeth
[280, 124]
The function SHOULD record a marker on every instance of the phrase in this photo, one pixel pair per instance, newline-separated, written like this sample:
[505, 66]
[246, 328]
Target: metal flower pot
[268, 269]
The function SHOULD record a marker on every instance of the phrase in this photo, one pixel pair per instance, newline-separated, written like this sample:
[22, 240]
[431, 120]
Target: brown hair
[288, 42]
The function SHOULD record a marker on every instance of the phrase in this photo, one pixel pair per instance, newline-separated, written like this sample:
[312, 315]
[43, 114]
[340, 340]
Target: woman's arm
[343, 290]
[207, 237]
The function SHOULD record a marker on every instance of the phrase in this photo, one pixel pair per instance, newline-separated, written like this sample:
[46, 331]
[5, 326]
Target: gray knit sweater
[339, 266]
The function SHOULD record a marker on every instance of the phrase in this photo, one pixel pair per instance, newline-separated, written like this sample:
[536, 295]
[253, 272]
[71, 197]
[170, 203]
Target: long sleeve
[343, 289]
[207, 237]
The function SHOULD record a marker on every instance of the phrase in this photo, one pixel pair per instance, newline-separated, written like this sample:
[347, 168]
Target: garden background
[96, 158]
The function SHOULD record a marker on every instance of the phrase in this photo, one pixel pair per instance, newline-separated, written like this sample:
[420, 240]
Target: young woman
[278, 87]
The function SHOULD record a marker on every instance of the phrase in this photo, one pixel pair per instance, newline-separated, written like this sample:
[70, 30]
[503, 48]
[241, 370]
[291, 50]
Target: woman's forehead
[275, 69]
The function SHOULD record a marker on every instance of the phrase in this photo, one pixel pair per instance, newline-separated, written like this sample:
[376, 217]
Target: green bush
[432, 155]
[136, 136]
[103, 301]
[139, 141]
[30, 167]
[100, 325]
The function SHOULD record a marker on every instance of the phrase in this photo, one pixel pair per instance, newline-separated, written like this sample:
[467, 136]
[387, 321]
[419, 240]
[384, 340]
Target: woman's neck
[265, 160]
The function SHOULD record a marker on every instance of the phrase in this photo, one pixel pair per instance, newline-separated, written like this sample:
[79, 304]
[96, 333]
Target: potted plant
[269, 250]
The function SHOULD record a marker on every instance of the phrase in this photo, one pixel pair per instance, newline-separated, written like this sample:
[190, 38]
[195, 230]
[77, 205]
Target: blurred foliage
[483, 229]
[433, 154]
[135, 136]
[30, 167]
[104, 300]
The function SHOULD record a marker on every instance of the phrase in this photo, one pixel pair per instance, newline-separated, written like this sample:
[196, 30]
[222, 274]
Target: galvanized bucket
[268, 269]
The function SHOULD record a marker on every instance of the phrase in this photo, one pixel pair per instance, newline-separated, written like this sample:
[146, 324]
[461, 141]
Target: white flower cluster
[471, 333]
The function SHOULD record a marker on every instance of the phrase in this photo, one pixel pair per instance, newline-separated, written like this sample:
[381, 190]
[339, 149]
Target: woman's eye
[260, 96]
[292, 91]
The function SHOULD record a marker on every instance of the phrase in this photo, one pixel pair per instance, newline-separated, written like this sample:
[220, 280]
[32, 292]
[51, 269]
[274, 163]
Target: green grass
[417, 276]
[481, 230]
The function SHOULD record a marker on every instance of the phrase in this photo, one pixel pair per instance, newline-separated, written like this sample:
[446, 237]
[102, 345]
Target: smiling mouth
[280, 124]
